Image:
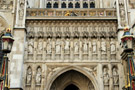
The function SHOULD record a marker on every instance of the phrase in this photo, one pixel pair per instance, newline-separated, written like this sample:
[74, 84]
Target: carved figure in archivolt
[115, 76]
[38, 75]
[113, 47]
[94, 47]
[76, 47]
[103, 46]
[105, 76]
[67, 44]
[85, 46]
[30, 46]
[49, 46]
[40, 46]
[29, 76]
[58, 46]
[90, 86]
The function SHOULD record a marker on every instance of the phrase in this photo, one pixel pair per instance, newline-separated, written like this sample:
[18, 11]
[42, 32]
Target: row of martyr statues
[38, 76]
[106, 77]
[67, 45]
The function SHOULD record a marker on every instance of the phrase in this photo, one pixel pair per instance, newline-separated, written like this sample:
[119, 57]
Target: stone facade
[59, 43]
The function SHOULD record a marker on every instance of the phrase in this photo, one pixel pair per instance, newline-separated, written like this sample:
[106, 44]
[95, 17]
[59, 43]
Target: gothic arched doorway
[72, 80]
[71, 87]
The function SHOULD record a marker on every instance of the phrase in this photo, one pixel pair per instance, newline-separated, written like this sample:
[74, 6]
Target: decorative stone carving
[67, 44]
[52, 70]
[30, 46]
[122, 14]
[38, 76]
[85, 46]
[105, 76]
[21, 10]
[21, 14]
[76, 46]
[58, 46]
[112, 46]
[30, 32]
[103, 46]
[49, 46]
[115, 76]
[94, 47]
[20, 22]
[92, 70]
[90, 86]
[40, 46]
[29, 76]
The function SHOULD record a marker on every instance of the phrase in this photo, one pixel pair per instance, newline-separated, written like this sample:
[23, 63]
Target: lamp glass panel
[10, 45]
[5, 45]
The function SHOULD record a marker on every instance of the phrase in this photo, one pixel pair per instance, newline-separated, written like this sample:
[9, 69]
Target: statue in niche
[76, 47]
[40, 46]
[21, 11]
[113, 47]
[94, 45]
[29, 76]
[115, 76]
[105, 76]
[103, 46]
[67, 44]
[58, 46]
[49, 46]
[30, 46]
[122, 14]
[38, 76]
[85, 46]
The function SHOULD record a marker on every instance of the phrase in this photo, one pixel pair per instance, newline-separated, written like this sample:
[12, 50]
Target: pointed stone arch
[75, 68]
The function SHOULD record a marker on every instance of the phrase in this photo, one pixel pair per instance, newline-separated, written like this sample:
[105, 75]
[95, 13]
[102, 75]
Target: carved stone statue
[105, 76]
[76, 47]
[113, 47]
[115, 76]
[58, 46]
[103, 46]
[49, 46]
[85, 46]
[30, 46]
[122, 15]
[29, 76]
[40, 46]
[67, 44]
[94, 45]
[38, 76]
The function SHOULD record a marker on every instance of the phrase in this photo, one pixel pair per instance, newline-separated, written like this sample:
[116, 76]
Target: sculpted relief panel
[73, 43]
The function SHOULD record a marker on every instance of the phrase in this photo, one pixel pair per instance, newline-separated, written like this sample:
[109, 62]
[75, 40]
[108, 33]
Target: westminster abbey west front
[67, 44]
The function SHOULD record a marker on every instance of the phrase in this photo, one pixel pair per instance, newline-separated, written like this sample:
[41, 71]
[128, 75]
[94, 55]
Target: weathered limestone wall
[16, 75]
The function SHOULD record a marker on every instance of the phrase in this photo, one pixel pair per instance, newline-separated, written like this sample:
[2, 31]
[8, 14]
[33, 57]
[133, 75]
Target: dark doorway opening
[71, 87]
